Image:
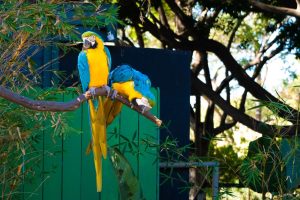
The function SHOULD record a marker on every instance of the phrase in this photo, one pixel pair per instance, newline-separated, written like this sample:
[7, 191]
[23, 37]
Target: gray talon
[108, 90]
[93, 92]
[113, 94]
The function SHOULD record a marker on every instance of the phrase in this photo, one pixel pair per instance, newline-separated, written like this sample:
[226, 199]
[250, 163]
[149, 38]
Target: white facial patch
[92, 39]
[89, 40]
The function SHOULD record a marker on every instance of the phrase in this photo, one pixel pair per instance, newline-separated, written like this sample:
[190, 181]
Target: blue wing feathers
[142, 82]
[83, 69]
[121, 74]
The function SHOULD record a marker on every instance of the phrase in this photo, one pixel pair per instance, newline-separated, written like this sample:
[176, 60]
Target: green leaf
[129, 185]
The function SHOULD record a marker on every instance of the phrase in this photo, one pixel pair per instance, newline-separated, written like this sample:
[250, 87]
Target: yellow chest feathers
[98, 67]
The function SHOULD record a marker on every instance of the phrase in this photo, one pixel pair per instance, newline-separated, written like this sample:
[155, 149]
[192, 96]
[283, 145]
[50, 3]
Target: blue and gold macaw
[134, 85]
[94, 62]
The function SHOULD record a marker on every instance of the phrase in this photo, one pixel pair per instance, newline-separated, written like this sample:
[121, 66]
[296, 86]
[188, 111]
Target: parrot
[134, 85]
[94, 63]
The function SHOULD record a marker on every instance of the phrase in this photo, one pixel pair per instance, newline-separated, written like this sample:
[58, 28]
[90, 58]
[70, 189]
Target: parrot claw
[113, 94]
[107, 88]
[93, 92]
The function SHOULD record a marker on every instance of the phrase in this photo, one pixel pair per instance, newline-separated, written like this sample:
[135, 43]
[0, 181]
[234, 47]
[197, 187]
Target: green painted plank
[72, 148]
[74, 174]
[33, 168]
[129, 136]
[148, 163]
[88, 175]
[110, 181]
[52, 188]
[52, 168]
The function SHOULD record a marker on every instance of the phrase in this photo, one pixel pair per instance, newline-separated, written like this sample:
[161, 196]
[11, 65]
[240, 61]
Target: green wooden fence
[65, 172]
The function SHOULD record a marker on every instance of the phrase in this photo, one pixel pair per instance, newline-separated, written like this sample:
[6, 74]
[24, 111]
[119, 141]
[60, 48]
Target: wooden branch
[234, 30]
[162, 15]
[186, 20]
[54, 106]
[275, 9]
[298, 4]
[239, 116]
[244, 79]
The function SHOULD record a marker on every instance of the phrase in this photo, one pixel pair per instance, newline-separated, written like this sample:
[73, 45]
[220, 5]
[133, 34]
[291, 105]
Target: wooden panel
[148, 163]
[70, 173]
[88, 175]
[129, 136]
[110, 181]
[72, 156]
[52, 187]
[33, 167]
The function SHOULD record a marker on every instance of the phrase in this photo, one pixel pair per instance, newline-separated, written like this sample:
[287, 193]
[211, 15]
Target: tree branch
[241, 117]
[139, 35]
[234, 30]
[276, 9]
[187, 21]
[224, 127]
[162, 15]
[53, 106]
[243, 78]
[298, 4]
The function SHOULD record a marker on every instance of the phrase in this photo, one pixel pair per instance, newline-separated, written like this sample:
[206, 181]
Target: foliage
[262, 169]
[229, 161]
[271, 166]
[27, 28]
[244, 39]
[128, 182]
[38, 25]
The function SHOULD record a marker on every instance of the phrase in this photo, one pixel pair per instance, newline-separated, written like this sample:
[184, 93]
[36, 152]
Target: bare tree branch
[53, 106]
[243, 78]
[126, 39]
[276, 9]
[212, 17]
[260, 127]
[298, 4]
[139, 35]
[224, 127]
[178, 11]
[162, 15]
[234, 30]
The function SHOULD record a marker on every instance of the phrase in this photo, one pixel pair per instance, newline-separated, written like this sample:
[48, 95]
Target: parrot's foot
[93, 92]
[113, 94]
[143, 103]
[107, 88]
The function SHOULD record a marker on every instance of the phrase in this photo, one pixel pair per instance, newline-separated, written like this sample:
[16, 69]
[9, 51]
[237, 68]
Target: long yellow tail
[99, 145]
[100, 118]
